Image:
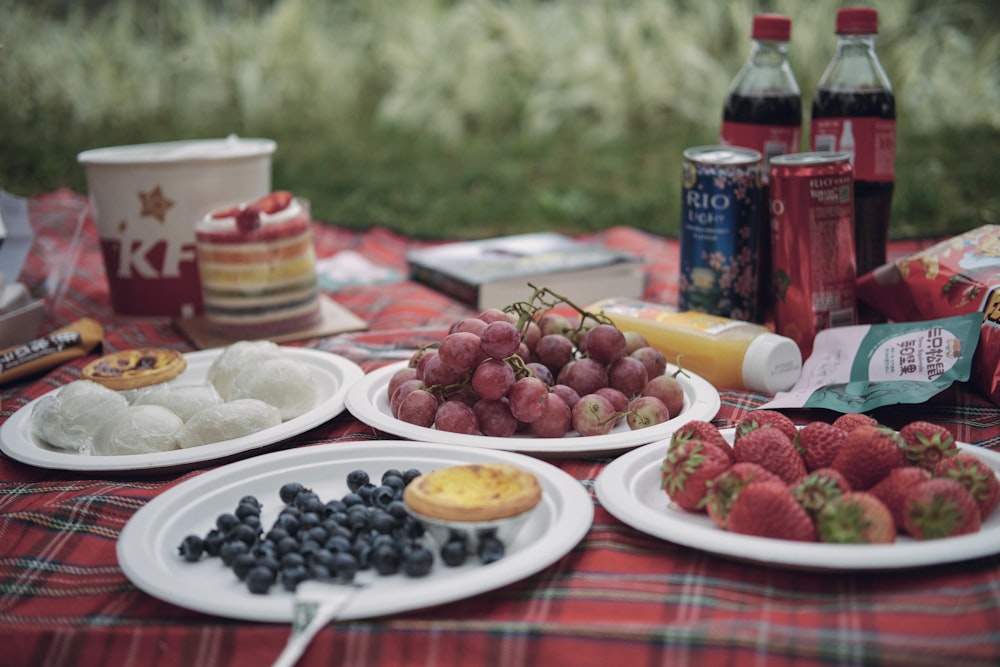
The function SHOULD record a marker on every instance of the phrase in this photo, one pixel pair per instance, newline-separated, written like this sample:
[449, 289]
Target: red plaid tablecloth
[620, 596]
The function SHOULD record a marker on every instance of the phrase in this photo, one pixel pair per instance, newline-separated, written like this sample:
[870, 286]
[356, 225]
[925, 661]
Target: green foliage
[477, 117]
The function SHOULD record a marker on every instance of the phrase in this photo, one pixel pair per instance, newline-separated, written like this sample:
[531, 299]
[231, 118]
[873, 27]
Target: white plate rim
[368, 402]
[147, 545]
[616, 490]
[17, 442]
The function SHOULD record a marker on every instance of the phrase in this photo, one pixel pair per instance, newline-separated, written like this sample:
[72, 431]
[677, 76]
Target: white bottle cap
[772, 363]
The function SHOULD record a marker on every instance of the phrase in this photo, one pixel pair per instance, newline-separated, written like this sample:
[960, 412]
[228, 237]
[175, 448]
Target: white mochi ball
[69, 418]
[138, 429]
[237, 357]
[226, 421]
[284, 383]
[183, 400]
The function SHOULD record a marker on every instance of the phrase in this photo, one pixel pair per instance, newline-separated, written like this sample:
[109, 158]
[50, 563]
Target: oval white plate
[629, 487]
[147, 546]
[333, 375]
[368, 402]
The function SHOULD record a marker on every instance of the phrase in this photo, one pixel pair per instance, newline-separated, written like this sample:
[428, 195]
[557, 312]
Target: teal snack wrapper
[859, 368]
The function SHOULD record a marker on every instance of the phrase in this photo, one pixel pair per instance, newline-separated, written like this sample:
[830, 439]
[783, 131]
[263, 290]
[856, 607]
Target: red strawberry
[848, 421]
[231, 212]
[273, 202]
[977, 477]
[690, 464]
[924, 443]
[867, 455]
[723, 489]
[765, 418]
[818, 488]
[818, 443]
[893, 488]
[768, 509]
[856, 517]
[773, 450]
[704, 431]
[248, 219]
[939, 508]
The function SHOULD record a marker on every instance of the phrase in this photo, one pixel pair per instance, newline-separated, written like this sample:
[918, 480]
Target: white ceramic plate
[629, 487]
[147, 547]
[368, 401]
[333, 375]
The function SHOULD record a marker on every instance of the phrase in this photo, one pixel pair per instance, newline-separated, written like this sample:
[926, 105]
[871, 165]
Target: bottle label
[692, 320]
[770, 140]
[871, 142]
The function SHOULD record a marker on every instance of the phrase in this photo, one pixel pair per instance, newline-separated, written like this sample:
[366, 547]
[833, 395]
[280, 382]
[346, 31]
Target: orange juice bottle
[728, 353]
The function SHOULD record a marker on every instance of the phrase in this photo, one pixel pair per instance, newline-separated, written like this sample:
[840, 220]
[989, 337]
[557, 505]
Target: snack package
[865, 366]
[957, 276]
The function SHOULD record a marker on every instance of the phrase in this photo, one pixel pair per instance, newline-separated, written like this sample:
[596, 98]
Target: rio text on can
[812, 217]
[719, 230]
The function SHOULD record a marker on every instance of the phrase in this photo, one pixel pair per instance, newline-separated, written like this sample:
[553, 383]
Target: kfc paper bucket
[146, 199]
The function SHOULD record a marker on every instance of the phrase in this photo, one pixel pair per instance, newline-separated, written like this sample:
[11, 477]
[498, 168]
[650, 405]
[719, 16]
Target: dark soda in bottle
[854, 111]
[763, 111]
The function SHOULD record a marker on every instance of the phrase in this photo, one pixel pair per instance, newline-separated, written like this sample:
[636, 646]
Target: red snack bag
[957, 276]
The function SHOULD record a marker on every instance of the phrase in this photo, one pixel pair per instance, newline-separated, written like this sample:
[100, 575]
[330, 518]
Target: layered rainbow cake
[258, 268]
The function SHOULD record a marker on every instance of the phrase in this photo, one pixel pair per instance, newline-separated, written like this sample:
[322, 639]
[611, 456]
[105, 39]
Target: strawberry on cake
[258, 268]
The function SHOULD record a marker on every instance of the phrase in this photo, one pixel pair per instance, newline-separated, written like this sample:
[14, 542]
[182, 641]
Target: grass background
[471, 118]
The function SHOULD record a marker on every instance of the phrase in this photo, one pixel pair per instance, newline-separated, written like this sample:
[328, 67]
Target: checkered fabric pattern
[619, 597]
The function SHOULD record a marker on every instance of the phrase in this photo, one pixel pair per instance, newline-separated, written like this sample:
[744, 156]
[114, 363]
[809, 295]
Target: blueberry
[322, 557]
[306, 500]
[226, 522]
[382, 522]
[191, 548]
[335, 506]
[231, 549]
[391, 472]
[244, 510]
[213, 542]
[289, 491]
[382, 496]
[243, 533]
[270, 562]
[365, 492]
[242, 564]
[288, 545]
[385, 559]
[308, 520]
[276, 534]
[345, 565]
[252, 520]
[308, 548]
[292, 558]
[338, 543]
[356, 479]
[320, 572]
[453, 553]
[397, 508]
[260, 579]
[288, 523]
[250, 500]
[317, 534]
[490, 549]
[394, 482]
[291, 577]
[352, 499]
[410, 475]
[417, 562]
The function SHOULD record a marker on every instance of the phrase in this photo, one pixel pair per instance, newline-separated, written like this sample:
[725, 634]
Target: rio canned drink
[720, 218]
[812, 235]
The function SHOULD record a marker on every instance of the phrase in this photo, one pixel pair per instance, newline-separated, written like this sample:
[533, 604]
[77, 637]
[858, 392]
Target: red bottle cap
[771, 28]
[857, 21]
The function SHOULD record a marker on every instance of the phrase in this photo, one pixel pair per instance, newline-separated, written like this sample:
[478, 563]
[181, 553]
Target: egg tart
[133, 369]
[474, 492]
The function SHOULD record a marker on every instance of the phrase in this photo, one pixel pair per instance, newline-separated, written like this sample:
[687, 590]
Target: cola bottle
[763, 111]
[854, 111]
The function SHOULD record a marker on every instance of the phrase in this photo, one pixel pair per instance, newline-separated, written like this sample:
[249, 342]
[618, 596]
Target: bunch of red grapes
[527, 369]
